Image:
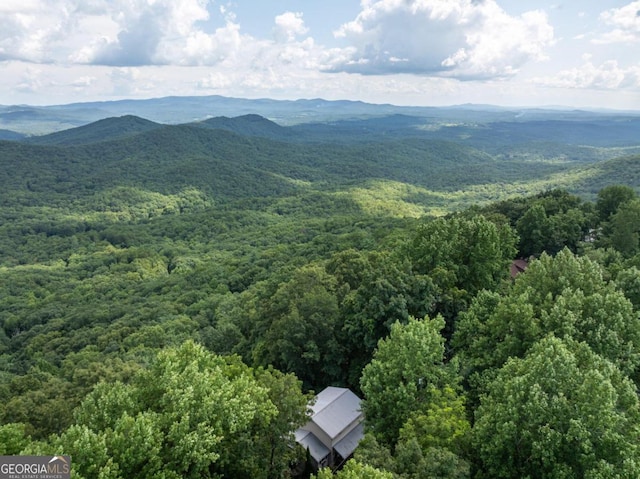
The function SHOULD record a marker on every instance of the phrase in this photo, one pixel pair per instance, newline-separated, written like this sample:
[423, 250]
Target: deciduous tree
[561, 411]
[405, 370]
[189, 414]
[564, 295]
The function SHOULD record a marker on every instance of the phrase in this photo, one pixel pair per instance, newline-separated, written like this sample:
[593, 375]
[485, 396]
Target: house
[335, 428]
[518, 266]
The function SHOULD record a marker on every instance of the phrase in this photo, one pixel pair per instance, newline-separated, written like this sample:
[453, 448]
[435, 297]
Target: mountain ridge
[28, 119]
[107, 128]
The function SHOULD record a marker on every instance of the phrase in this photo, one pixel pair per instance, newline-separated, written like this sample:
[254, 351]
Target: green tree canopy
[189, 414]
[400, 379]
[535, 230]
[354, 470]
[610, 198]
[562, 412]
[461, 256]
[302, 318]
[375, 290]
[624, 228]
[473, 253]
[565, 295]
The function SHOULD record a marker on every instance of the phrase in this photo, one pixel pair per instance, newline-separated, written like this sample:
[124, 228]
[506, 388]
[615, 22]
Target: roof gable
[308, 441]
[334, 409]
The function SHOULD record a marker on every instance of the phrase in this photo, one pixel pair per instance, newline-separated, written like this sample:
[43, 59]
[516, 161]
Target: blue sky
[407, 52]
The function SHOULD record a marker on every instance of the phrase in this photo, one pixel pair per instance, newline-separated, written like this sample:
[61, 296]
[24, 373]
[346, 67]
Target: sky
[578, 53]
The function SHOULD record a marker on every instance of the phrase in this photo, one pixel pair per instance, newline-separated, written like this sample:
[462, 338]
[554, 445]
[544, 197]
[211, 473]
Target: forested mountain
[227, 165]
[171, 295]
[47, 119]
[249, 125]
[107, 129]
[10, 135]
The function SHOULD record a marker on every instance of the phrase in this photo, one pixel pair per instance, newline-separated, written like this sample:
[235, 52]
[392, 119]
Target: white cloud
[13, 6]
[21, 34]
[464, 39]
[289, 26]
[158, 32]
[31, 81]
[406, 51]
[84, 81]
[625, 23]
[129, 81]
[135, 33]
[607, 76]
[113, 32]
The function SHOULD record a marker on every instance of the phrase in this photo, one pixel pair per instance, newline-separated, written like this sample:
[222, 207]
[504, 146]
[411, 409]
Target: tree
[189, 414]
[405, 370]
[411, 462]
[375, 290]
[564, 295]
[302, 318]
[628, 280]
[442, 423]
[434, 441]
[624, 228]
[535, 231]
[276, 444]
[475, 251]
[562, 411]
[461, 256]
[354, 470]
[610, 198]
[13, 438]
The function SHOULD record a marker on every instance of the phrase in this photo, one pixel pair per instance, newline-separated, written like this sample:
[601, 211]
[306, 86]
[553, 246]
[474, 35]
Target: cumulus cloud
[289, 26]
[159, 32]
[606, 76]
[84, 81]
[115, 32]
[625, 24]
[23, 33]
[31, 81]
[465, 39]
[130, 81]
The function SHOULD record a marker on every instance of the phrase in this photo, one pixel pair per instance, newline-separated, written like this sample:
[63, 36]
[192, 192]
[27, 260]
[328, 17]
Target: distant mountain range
[250, 157]
[38, 120]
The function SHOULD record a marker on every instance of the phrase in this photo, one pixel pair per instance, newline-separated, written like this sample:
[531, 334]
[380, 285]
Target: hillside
[623, 170]
[147, 269]
[10, 135]
[226, 165]
[143, 171]
[39, 120]
[248, 125]
[102, 130]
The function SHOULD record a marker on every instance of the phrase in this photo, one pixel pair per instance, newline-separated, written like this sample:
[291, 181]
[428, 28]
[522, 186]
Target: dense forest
[171, 296]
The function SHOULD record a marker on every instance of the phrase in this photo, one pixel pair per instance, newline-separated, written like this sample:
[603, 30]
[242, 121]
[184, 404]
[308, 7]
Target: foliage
[610, 198]
[406, 369]
[189, 414]
[561, 411]
[300, 250]
[565, 295]
[547, 222]
[624, 228]
[302, 334]
[13, 439]
[462, 256]
[354, 470]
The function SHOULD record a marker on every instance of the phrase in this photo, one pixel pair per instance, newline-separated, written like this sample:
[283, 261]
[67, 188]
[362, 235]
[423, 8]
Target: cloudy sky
[578, 53]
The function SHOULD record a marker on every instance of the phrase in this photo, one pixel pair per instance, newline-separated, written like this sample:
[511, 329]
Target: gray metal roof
[334, 409]
[317, 450]
[348, 444]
